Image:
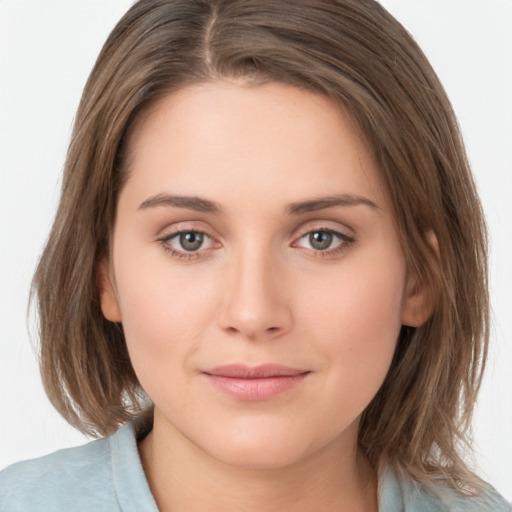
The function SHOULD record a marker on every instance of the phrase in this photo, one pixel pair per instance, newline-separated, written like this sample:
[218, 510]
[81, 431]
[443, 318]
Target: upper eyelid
[331, 226]
[344, 237]
[300, 234]
[322, 228]
[184, 227]
[173, 234]
[342, 229]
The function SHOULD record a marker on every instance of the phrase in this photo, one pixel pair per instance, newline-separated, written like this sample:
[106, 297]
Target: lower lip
[256, 389]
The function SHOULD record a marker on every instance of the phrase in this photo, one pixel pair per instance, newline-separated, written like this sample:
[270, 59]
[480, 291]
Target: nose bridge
[254, 292]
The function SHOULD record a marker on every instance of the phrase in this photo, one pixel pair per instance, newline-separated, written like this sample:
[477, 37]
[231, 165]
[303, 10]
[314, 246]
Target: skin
[257, 291]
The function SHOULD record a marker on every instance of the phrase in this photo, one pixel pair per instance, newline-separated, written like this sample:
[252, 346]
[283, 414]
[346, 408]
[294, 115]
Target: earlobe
[419, 297]
[108, 298]
[418, 304]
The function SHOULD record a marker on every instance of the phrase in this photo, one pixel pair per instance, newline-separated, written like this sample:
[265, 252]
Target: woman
[269, 259]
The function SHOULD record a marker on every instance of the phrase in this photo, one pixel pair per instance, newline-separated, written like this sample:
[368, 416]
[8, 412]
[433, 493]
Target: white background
[47, 49]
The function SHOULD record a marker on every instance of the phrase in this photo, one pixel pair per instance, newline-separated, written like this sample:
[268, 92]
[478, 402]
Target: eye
[186, 243]
[325, 241]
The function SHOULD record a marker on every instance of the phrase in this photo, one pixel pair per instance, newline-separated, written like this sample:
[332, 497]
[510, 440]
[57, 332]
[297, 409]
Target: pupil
[320, 240]
[191, 241]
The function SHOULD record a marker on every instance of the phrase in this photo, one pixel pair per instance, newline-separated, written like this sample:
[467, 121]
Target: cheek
[356, 321]
[164, 313]
[361, 302]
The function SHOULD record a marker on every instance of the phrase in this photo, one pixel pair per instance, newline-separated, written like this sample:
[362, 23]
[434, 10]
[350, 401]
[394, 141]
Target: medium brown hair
[358, 55]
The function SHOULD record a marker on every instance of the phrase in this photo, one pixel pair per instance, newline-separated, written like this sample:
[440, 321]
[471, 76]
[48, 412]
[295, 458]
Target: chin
[260, 450]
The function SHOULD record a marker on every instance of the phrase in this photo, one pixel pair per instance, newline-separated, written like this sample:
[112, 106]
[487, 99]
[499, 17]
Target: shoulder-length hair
[358, 55]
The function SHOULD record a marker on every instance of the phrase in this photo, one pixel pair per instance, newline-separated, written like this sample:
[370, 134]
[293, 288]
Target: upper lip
[242, 371]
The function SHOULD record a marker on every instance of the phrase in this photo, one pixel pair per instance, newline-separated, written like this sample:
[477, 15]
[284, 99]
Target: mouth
[256, 383]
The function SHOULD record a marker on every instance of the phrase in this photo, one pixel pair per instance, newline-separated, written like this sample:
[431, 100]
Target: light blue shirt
[107, 476]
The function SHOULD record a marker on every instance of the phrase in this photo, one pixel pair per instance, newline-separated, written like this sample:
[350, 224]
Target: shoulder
[101, 476]
[448, 500]
[72, 479]
[407, 496]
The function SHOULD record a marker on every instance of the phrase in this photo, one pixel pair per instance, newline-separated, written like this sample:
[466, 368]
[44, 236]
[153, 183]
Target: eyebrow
[189, 202]
[206, 206]
[320, 203]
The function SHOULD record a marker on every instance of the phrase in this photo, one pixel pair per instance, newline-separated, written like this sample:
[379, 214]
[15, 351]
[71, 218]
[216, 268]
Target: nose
[254, 298]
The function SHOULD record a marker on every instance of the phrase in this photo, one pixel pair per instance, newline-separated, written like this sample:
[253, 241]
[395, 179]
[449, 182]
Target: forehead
[218, 136]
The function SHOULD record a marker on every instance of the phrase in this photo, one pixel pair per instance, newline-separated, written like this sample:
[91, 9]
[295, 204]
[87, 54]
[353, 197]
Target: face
[257, 272]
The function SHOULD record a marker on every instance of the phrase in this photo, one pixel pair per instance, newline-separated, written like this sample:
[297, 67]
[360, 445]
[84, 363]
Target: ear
[419, 297]
[108, 298]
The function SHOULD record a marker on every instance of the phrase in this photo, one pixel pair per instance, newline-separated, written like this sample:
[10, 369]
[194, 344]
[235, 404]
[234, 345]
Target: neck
[182, 478]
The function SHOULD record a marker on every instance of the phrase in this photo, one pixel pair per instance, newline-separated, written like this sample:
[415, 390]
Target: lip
[254, 383]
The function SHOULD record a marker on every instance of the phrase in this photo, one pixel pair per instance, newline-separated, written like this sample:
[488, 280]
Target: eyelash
[346, 242]
[182, 255]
